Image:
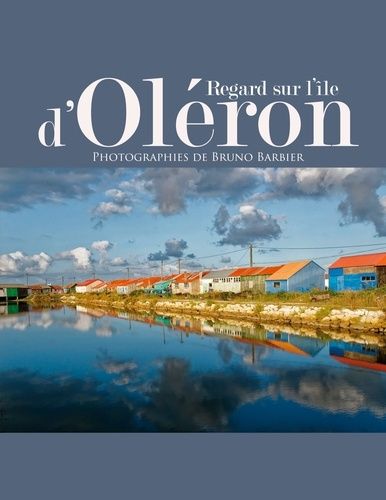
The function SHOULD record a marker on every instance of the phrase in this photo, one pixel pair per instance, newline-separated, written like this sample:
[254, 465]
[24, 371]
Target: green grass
[375, 298]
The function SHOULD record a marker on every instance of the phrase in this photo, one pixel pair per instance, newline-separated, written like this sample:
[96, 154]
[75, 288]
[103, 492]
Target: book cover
[193, 229]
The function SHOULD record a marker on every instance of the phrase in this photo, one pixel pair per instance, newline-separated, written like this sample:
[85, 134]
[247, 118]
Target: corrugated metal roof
[170, 276]
[151, 279]
[268, 270]
[195, 276]
[287, 346]
[189, 277]
[221, 273]
[256, 270]
[13, 285]
[100, 285]
[182, 278]
[246, 271]
[115, 283]
[135, 281]
[371, 259]
[288, 270]
[88, 282]
[146, 282]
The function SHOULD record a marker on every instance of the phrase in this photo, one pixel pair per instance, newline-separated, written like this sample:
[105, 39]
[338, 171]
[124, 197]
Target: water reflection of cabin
[359, 355]
[13, 307]
[96, 313]
[228, 330]
[186, 325]
[163, 320]
[295, 344]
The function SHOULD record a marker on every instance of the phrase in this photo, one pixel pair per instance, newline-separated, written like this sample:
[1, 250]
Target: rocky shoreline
[356, 320]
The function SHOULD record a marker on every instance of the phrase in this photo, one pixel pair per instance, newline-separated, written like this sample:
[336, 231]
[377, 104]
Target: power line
[241, 258]
[320, 248]
[215, 255]
[145, 266]
[322, 257]
[281, 248]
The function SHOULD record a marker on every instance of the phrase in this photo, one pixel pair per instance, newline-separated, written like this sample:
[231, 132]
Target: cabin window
[276, 284]
[368, 278]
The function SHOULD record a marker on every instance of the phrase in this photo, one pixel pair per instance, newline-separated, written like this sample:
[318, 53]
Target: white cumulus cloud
[18, 262]
[101, 246]
[81, 257]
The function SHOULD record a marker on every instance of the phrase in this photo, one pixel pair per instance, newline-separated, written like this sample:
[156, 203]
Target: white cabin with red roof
[92, 285]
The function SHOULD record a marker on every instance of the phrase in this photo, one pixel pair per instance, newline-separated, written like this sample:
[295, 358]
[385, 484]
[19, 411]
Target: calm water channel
[89, 370]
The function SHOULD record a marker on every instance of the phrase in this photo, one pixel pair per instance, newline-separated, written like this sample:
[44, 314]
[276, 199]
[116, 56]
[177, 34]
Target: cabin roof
[288, 270]
[189, 277]
[268, 270]
[89, 282]
[246, 271]
[371, 259]
[220, 273]
[13, 285]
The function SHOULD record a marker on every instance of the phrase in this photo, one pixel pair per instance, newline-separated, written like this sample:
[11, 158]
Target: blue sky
[84, 221]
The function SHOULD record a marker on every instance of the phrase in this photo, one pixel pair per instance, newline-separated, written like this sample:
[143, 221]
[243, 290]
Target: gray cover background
[50, 52]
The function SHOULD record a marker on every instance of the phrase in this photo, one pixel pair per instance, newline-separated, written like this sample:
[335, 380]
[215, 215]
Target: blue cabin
[358, 272]
[301, 276]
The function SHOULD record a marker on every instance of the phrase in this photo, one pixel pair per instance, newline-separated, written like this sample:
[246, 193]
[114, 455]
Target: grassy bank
[362, 311]
[51, 300]
[371, 299]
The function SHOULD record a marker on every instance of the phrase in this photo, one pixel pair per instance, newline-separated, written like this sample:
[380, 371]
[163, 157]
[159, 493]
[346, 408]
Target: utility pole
[128, 272]
[250, 255]
[62, 281]
[179, 266]
[27, 278]
[162, 269]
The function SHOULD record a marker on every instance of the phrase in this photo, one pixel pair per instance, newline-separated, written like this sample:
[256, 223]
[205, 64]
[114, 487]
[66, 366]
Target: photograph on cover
[192, 300]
